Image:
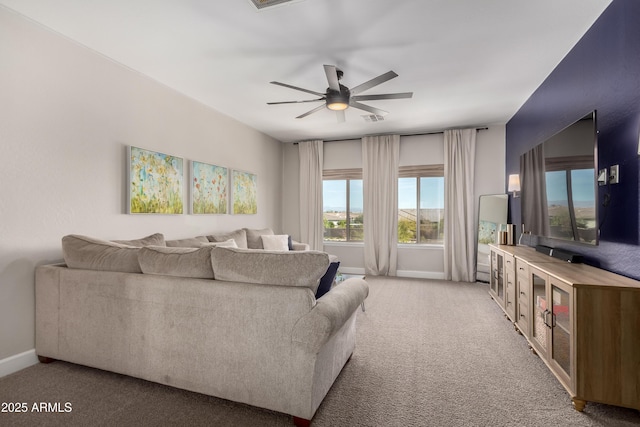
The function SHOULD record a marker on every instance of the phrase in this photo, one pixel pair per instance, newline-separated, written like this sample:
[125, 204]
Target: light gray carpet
[429, 353]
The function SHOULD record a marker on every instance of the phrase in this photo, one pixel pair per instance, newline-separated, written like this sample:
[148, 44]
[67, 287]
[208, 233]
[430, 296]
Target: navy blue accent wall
[602, 73]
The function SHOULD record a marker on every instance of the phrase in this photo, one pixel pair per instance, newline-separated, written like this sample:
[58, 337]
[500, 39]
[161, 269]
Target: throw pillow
[226, 244]
[193, 242]
[240, 236]
[326, 282]
[276, 242]
[291, 268]
[176, 261]
[89, 253]
[253, 237]
[156, 239]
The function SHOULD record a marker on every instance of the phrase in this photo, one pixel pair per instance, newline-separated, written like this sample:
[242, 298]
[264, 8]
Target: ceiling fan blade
[382, 96]
[373, 110]
[332, 77]
[298, 88]
[318, 108]
[340, 116]
[373, 82]
[295, 102]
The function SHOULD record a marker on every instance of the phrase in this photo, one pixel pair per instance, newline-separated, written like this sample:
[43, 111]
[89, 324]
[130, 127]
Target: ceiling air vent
[373, 118]
[261, 4]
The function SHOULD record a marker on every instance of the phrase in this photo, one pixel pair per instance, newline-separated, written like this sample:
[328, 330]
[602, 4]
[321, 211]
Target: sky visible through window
[431, 194]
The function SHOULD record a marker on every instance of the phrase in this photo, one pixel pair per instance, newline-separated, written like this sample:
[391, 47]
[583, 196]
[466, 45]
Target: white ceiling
[468, 62]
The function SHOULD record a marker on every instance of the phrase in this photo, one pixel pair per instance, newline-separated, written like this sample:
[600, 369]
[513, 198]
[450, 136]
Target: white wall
[426, 261]
[67, 116]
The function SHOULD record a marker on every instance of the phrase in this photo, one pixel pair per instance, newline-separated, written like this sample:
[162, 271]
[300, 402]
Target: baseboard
[434, 275]
[18, 362]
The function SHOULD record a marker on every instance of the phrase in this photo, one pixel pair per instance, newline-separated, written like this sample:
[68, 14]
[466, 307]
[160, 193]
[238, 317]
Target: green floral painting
[209, 189]
[487, 232]
[245, 193]
[155, 182]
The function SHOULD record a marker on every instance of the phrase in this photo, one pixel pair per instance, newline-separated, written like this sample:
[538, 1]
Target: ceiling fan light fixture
[338, 97]
[337, 106]
[338, 100]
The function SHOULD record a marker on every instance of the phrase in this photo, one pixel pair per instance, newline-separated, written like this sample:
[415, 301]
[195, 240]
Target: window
[421, 204]
[343, 214]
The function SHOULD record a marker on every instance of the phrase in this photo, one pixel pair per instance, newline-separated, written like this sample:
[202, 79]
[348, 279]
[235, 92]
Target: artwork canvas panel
[209, 189]
[487, 232]
[156, 182]
[245, 193]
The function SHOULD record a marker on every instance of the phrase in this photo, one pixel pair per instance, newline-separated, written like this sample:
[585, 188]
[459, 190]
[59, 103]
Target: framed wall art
[209, 189]
[156, 182]
[244, 193]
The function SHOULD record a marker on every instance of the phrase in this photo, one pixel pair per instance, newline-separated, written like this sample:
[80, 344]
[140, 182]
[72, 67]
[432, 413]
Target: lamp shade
[514, 182]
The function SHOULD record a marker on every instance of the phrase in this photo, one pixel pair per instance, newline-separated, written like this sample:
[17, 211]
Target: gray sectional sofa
[239, 324]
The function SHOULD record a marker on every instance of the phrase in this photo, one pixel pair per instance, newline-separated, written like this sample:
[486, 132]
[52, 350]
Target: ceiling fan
[338, 97]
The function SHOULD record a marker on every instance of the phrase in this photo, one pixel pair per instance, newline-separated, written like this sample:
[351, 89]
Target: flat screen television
[559, 184]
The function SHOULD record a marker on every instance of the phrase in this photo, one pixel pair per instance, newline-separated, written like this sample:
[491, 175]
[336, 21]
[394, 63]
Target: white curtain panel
[459, 203]
[311, 163]
[380, 158]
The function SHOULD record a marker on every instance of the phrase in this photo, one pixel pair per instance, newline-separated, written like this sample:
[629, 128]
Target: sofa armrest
[329, 314]
[297, 246]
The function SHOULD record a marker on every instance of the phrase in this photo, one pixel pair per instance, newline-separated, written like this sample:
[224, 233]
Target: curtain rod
[405, 134]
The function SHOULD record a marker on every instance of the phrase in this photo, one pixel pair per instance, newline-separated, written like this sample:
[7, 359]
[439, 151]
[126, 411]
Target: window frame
[346, 175]
[413, 171]
[417, 172]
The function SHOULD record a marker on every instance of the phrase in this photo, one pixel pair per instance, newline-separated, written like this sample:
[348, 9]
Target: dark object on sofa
[327, 280]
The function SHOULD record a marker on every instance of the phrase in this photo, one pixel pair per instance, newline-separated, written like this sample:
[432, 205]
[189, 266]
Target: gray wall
[68, 115]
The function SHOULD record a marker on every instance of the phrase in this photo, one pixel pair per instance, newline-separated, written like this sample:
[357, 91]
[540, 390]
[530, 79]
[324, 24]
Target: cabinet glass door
[497, 277]
[493, 281]
[561, 328]
[500, 274]
[540, 311]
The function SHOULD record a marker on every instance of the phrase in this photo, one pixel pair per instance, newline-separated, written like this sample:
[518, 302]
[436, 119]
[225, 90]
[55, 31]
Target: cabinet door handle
[546, 316]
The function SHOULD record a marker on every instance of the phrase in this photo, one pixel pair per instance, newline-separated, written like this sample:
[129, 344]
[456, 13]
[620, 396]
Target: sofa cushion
[270, 268]
[240, 236]
[226, 244]
[193, 242]
[275, 242]
[254, 240]
[156, 239]
[176, 261]
[95, 254]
